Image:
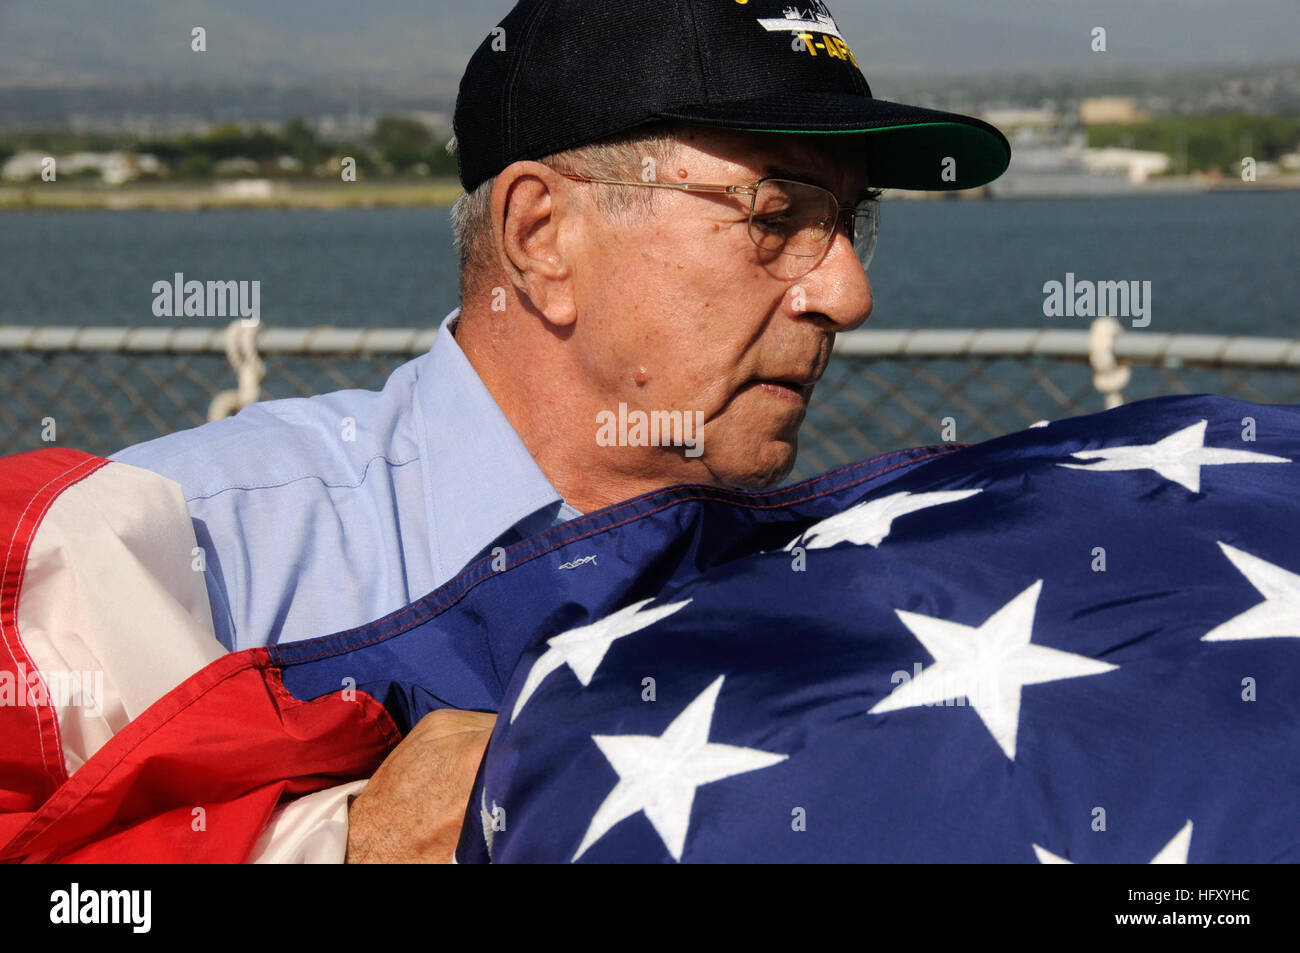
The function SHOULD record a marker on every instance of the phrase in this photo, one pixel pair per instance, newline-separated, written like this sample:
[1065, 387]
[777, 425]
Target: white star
[1278, 615]
[869, 523]
[659, 775]
[486, 817]
[988, 665]
[583, 648]
[1175, 852]
[1178, 457]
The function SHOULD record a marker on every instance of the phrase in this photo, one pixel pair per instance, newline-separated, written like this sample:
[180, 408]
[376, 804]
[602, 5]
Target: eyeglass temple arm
[679, 186]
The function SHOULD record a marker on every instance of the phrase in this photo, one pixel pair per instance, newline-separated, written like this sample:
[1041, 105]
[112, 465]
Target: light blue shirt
[324, 513]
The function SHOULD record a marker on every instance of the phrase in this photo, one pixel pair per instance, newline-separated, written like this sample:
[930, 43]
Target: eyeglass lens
[798, 219]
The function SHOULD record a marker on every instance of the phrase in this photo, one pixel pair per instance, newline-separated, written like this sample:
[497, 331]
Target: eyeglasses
[788, 218]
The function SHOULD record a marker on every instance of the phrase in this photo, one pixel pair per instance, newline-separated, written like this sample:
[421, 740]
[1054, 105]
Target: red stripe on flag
[31, 752]
[231, 740]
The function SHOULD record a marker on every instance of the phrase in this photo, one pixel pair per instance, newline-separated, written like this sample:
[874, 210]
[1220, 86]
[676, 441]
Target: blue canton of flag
[1075, 644]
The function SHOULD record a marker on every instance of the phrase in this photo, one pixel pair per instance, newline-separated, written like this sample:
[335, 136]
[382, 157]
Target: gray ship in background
[1051, 158]
[1052, 165]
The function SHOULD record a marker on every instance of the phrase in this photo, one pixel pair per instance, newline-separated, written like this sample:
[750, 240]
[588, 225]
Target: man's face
[678, 310]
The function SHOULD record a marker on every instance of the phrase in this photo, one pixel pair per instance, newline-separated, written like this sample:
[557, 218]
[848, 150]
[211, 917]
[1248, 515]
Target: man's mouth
[791, 389]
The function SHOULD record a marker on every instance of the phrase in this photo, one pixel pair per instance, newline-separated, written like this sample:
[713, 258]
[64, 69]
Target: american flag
[1078, 643]
[1075, 644]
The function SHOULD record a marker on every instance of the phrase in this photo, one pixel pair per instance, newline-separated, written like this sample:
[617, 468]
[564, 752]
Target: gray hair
[617, 157]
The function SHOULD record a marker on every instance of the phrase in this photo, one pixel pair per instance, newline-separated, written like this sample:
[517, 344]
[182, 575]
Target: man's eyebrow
[803, 175]
[798, 175]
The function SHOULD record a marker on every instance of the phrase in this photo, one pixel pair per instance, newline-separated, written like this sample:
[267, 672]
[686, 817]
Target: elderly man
[656, 221]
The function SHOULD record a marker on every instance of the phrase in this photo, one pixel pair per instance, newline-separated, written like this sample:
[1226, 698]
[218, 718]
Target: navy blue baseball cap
[557, 74]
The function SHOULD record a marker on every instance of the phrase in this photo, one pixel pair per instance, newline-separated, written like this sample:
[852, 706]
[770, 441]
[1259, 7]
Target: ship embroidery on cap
[815, 19]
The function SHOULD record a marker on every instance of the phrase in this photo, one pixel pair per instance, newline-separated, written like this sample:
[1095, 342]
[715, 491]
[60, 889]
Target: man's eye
[777, 224]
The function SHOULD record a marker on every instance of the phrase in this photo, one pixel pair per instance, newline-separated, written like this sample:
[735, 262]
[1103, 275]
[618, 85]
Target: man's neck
[553, 416]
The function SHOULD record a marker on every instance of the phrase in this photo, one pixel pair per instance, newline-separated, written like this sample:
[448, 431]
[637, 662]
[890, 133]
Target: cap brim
[906, 145]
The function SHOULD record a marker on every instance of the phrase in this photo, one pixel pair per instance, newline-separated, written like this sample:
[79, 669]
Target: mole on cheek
[641, 377]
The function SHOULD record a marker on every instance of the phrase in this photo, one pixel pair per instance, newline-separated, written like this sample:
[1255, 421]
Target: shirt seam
[365, 472]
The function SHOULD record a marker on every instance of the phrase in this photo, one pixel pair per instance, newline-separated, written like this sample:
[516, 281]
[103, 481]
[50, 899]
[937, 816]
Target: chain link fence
[102, 389]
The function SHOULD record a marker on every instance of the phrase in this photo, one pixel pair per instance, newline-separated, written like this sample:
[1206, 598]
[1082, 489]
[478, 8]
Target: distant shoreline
[223, 195]
[323, 195]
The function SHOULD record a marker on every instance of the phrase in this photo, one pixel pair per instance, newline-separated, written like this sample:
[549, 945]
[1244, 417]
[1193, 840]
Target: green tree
[402, 142]
[1210, 143]
[301, 142]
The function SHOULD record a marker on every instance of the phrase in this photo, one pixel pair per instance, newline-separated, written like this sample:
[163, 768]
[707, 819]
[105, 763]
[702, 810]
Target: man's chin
[759, 470]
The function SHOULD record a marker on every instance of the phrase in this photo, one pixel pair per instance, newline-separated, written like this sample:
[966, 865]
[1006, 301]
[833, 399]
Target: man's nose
[838, 286]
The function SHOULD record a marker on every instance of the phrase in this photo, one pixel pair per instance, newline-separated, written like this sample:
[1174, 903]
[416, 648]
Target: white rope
[241, 351]
[1108, 375]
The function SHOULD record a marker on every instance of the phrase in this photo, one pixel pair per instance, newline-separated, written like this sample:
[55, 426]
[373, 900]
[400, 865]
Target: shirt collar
[480, 478]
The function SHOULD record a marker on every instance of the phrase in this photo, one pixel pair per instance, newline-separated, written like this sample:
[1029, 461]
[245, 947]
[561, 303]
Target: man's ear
[530, 212]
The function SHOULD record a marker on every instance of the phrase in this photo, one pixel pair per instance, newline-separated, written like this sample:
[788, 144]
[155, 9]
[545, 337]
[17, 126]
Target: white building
[114, 168]
[22, 166]
[1136, 164]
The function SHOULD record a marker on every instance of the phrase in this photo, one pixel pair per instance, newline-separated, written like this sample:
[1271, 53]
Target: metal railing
[104, 388]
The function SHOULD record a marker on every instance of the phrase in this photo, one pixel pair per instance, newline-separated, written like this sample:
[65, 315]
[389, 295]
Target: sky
[55, 42]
